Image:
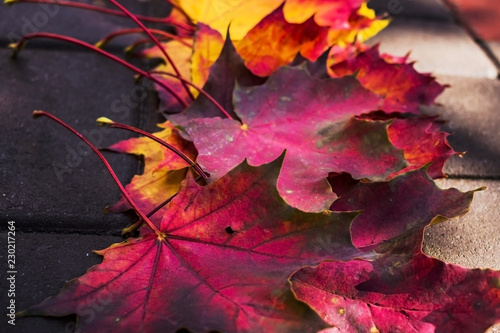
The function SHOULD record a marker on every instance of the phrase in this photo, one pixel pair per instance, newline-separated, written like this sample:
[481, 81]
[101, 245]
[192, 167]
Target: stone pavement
[55, 190]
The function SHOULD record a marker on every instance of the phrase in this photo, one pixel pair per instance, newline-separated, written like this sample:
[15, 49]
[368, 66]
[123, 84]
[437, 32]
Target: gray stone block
[50, 180]
[472, 240]
[24, 18]
[442, 48]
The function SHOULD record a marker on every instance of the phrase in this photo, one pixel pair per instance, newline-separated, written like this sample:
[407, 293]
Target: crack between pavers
[473, 177]
[59, 46]
[95, 232]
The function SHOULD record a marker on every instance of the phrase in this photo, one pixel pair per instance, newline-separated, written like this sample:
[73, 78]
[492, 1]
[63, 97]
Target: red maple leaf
[394, 78]
[312, 119]
[403, 291]
[423, 142]
[219, 261]
[391, 210]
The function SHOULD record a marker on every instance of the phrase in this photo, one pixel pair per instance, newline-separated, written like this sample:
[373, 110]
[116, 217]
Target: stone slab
[442, 48]
[472, 240]
[422, 9]
[472, 107]
[44, 263]
[49, 179]
[23, 18]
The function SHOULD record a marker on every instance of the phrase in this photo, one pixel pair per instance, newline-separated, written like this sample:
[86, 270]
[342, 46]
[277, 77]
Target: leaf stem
[156, 41]
[16, 47]
[122, 32]
[107, 122]
[37, 114]
[203, 92]
[136, 225]
[131, 48]
[132, 228]
[166, 20]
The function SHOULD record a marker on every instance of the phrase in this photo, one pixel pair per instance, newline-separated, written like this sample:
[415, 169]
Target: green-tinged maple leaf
[309, 117]
[401, 206]
[403, 291]
[220, 262]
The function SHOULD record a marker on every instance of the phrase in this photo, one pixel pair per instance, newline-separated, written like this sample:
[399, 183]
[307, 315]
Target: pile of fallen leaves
[290, 193]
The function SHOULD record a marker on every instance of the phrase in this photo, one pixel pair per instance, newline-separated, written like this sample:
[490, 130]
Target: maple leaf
[240, 15]
[403, 291]
[421, 139]
[423, 142]
[219, 261]
[181, 52]
[280, 40]
[207, 47]
[163, 169]
[364, 24]
[228, 69]
[402, 87]
[404, 205]
[281, 31]
[312, 120]
[334, 14]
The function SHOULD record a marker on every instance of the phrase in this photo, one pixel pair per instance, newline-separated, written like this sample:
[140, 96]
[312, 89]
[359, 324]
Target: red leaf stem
[162, 33]
[204, 93]
[149, 19]
[18, 46]
[37, 114]
[156, 41]
[160, 141]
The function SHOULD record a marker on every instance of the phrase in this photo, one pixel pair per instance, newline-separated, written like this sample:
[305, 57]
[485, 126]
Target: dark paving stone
[44, 263]
[23, 18]
[49, 180]
[422, 9]
[470, 106]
